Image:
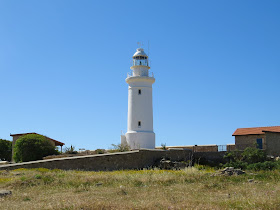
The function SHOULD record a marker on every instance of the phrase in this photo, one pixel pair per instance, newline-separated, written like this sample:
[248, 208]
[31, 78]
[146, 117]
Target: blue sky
[63, 66]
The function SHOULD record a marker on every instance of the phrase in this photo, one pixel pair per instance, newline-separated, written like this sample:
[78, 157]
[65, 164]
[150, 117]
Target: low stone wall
[231, 147]
[137, 159]
[106, 162]
[205, 148]
[215, 157]
[195, 148]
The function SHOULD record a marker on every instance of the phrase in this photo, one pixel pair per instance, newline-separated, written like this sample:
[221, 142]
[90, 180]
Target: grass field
[145, 189]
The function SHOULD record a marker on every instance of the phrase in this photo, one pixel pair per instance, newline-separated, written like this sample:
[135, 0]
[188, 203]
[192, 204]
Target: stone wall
[231, 147]
[215, 157]
[195, 148]
[106, 162]
[272, 143]
[242, 142]
[205, 148]
[137, 159]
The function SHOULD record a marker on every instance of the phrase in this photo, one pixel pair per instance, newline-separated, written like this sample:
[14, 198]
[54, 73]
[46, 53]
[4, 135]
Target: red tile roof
[57, 143]
[256, 130]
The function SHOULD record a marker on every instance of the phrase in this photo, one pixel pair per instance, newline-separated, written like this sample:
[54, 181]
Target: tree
[5, 150]
[33, 147]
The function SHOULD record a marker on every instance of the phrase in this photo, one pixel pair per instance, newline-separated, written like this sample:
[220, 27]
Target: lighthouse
[140, 133]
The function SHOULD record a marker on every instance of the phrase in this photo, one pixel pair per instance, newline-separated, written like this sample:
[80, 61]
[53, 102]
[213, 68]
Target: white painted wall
[123, 140]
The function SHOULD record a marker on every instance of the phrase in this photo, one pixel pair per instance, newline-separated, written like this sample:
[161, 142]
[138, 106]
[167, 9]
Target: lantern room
[140, 58]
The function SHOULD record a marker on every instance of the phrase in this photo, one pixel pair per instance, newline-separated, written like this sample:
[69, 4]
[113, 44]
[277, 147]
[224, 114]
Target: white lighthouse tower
[140, 133]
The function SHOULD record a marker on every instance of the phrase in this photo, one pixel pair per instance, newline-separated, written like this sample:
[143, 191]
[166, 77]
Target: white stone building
[140, 133]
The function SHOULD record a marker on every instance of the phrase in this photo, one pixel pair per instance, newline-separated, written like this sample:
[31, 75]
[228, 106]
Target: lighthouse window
[139, 124]
[139, 92]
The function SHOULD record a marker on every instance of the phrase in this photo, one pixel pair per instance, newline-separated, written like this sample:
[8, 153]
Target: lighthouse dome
[140, 52]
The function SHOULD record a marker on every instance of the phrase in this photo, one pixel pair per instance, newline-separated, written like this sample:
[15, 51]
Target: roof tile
[255, 131]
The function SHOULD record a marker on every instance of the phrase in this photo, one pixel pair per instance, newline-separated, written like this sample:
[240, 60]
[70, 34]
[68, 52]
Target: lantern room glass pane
[140, 62]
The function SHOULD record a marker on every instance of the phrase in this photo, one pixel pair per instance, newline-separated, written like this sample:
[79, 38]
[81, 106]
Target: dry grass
[145, 189]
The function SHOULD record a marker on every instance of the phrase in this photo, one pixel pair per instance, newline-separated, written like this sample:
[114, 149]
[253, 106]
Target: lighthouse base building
[140, 133]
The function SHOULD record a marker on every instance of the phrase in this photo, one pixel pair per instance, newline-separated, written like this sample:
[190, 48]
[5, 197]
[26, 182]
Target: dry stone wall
[273, 143]
[106, 162]
[242, 142]
[137, 159]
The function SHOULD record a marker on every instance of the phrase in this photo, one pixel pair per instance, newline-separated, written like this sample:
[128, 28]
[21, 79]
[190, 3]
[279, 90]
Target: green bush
[99, 151]
[251, 159]
[236, 164]
[33, 147]
[253, 155]
[233, 156]
[267, 165]
[5, 150]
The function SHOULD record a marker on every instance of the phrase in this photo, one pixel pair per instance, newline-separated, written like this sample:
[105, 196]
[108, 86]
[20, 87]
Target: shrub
[253, 155]
[119, 148]
[267, 165]
[70, 150]
[233, 156]
[5, 150]
[236, 164]
[250, 158]
[33, 147]
[163, 146]
[100, 151]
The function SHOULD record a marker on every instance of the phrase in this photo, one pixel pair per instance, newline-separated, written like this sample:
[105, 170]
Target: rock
[171, 165]
[251, 180]
[238, 172]
[166, 164]
[99, 184]
[180, 165]
[4, 173]
[5, 193]
[17, 173]
[271, 157]
[229, 171]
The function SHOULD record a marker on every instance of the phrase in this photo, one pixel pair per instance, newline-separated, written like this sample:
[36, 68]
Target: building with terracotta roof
[16, 136]
[267, 138]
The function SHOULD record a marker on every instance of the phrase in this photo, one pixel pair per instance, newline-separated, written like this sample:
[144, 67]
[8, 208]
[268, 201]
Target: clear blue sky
[63, 66]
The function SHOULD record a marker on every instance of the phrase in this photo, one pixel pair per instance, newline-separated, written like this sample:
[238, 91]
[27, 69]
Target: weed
[47, 179]
[163, 146]
[42, 170]
[138, 183]
[4, 180]
[23, 178]
[37, 176]
[26, 199]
